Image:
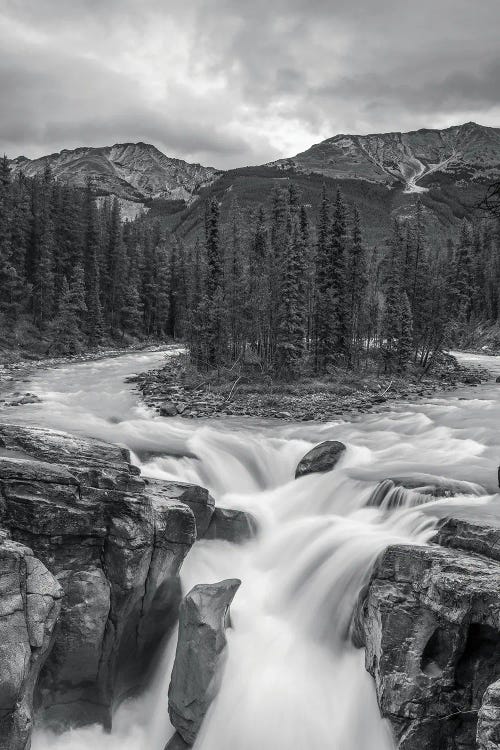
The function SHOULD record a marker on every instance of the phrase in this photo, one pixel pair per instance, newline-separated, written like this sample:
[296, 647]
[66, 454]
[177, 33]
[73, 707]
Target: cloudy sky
[234, 82]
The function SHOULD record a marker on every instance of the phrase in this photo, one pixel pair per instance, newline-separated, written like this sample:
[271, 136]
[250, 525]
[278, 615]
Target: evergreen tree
[292, 311]
[356, 284]
[323, 313]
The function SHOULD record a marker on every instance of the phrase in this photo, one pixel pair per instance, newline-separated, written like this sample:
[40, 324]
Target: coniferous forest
[290, 289]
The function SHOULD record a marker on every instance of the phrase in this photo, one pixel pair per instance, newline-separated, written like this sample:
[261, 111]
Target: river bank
[175, 390]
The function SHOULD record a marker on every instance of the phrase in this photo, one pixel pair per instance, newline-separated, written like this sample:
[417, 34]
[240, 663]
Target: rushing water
[292, 680]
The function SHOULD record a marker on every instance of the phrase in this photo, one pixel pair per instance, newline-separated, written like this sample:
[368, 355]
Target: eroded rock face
[323, 457]
[430, 622]
[488, 720]
[114, 544]
[197, 498]
[30, 601]
[201, 642]
[229, 525]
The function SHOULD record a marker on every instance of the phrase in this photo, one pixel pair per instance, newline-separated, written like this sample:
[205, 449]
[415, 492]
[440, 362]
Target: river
[292, 680]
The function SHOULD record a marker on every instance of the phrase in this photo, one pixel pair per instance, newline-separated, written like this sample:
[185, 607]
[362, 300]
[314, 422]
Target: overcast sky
[234, 82]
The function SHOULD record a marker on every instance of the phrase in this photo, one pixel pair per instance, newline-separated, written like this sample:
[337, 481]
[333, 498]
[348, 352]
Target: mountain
[135, 172]
[414, 160]
[382, 173]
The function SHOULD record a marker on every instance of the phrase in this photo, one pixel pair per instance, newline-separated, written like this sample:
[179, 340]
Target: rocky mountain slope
[136, 172]
[381, 173]
[413, 160]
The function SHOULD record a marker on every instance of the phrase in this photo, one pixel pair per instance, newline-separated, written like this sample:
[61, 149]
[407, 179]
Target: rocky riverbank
[429, 620]
[174, 390]
[90, 554]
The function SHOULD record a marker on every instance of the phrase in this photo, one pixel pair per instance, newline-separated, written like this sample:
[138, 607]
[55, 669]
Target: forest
[288, 289]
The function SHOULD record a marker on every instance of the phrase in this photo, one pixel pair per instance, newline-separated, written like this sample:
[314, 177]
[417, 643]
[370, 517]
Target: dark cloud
[234, 82]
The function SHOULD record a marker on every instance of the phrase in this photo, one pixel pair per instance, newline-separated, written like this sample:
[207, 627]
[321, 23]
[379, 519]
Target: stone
[474, 531]
[115, 545]
[203, 618]
[230, 525]
[30, 602]
[168, 409]
[321, 458]
[430, 622]
[488, 720]
[198, 499]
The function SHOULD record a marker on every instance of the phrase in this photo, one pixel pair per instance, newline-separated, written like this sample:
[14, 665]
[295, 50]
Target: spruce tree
[292, 309]
[338, 283]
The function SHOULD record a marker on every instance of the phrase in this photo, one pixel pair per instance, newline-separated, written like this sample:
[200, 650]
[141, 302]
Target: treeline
[289, 289]
[295, 290]
[72, 272]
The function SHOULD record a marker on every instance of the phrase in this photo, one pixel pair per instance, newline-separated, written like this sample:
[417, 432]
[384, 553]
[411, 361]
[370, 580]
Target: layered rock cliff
[430, 622]
[113, 545]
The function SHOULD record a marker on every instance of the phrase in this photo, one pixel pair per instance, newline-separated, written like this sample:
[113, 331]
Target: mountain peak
[137, 172]
[470, 151]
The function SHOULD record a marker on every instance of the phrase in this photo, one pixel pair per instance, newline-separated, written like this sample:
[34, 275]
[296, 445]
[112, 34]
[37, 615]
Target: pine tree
[405, 341]
[323, 313]
[338, 283]
[9, 280]
[393, 302]
[94, 319]
[292, 310]
[43, 291]
[214, 333]
[356, 283]
[67, 335]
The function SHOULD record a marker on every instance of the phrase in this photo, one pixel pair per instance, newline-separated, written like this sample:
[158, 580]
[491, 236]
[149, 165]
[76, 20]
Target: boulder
[30, 602]
[198, 499]
[321, 458]
[474, 531]
[231, 526]
[203, 618]
[115, 544]
[430, 622]
[168, 409]
[488, 720]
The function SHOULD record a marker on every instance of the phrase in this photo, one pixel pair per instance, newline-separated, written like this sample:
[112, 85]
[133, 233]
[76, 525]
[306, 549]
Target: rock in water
[197, 498]
[488, 720]
[30, 602]
[115, 544]
[200, 645]
[231, 526]
[430, 622]
[322, 457]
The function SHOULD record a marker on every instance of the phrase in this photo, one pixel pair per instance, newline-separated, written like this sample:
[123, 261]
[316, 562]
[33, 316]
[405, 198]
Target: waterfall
[292, 678]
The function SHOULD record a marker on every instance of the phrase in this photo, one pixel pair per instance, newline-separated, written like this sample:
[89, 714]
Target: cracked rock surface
[113, 544]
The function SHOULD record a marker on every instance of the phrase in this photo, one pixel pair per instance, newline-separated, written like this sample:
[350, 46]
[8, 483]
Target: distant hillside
[383, 174]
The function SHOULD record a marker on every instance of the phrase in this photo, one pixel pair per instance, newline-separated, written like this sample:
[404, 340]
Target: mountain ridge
[136, 172]
[469, 151]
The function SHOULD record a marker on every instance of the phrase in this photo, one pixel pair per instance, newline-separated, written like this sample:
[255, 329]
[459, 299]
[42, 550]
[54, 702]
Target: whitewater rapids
[292, 681]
